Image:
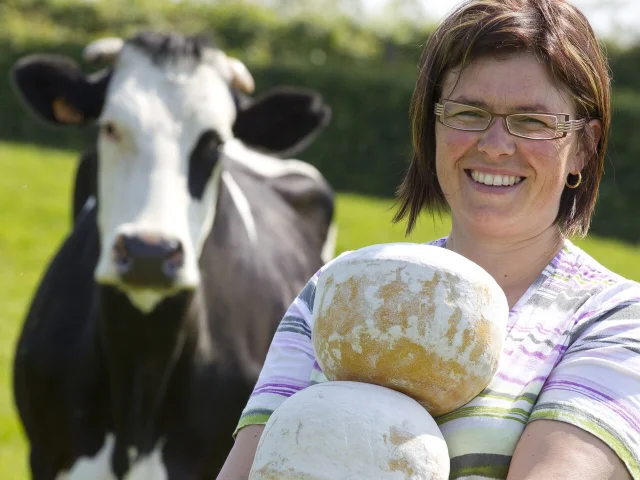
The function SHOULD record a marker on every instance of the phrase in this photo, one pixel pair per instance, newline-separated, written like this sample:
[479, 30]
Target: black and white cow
[149, 328]
[281, 122]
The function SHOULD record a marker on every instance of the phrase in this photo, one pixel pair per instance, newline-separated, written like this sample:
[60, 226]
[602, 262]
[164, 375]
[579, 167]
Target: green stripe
[255, 419]
[562, 412]
[557, 274]
[517, 414]
[488, 471]
[527, 397]
[488, 465]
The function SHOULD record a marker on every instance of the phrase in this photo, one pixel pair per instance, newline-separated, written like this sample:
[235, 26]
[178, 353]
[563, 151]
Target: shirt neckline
[542, 279]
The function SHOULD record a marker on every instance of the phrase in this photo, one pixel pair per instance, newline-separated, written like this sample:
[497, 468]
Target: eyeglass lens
[530, 125]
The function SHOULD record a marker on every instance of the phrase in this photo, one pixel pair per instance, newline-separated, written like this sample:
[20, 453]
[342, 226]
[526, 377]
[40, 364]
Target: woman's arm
[584, 424]
[240, 459]
[549, 450]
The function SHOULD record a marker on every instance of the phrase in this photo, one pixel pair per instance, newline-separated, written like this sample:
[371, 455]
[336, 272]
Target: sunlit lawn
[35, 201]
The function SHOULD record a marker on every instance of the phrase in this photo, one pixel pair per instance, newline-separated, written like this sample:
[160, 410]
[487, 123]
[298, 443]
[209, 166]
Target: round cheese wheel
[350, 430]
[419, 319]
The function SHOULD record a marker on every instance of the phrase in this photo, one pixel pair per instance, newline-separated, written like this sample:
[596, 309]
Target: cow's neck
[145, 355]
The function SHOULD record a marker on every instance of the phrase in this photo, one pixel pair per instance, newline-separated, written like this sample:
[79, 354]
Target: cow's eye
[202, 161]
[110, 131]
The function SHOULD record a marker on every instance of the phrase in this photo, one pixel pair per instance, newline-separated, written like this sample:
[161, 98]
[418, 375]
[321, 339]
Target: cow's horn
[103, 50]
[241, 78]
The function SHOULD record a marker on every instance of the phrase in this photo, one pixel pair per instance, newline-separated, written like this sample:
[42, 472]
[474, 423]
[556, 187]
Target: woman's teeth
[496, 180]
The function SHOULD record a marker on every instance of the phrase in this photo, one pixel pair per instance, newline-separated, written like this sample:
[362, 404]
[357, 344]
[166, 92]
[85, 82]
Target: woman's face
[515, 84]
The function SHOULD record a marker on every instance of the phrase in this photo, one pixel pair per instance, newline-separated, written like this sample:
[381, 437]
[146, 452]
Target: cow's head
[165, 109]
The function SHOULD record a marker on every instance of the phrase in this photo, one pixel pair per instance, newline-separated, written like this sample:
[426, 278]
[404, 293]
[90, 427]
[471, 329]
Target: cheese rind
[348, 430]
[419, 319]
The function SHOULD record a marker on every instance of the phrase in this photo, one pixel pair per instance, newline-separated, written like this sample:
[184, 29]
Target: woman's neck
[514, 265]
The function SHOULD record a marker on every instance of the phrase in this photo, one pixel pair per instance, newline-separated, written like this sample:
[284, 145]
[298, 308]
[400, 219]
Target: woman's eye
[533, 121]
[469, 114]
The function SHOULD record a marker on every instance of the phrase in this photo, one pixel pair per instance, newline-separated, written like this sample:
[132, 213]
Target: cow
[148, 330]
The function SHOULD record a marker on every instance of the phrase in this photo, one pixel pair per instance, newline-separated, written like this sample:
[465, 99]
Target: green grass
[35, 202]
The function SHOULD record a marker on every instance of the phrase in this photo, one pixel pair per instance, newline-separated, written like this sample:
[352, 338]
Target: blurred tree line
[364, 69]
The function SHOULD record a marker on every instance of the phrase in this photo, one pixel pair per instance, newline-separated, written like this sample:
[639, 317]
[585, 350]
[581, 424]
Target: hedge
[366, 147]
[617, 211]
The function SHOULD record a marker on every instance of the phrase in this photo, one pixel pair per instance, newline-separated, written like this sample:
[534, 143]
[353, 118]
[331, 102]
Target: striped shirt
[572, 353]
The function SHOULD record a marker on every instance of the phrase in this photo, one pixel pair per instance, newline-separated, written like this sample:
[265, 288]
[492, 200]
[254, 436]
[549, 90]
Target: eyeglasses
[536, 126]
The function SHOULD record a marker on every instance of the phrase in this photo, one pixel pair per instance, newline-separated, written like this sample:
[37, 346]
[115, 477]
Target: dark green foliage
[365, 76]
[618, 207]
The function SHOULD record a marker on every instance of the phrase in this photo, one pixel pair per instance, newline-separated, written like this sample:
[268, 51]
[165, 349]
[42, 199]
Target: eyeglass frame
[562, 127]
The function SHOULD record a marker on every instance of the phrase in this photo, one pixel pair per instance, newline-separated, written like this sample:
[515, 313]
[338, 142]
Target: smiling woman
[478, 153]
[510, 120]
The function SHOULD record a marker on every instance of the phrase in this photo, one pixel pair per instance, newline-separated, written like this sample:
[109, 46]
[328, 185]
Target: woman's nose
[496, 141]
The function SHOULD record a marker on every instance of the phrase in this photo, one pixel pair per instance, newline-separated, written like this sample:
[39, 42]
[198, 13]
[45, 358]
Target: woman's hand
[549, 450]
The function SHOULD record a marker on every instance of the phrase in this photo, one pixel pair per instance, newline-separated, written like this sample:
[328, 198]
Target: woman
[565, 402]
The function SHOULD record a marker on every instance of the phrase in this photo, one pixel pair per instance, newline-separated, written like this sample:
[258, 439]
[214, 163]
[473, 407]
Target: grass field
[35, 201]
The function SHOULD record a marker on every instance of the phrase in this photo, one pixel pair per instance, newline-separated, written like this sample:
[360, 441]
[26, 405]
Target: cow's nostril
[121, 255]
[174, 261]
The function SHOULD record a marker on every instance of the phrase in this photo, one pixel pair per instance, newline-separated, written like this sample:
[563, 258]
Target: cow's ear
[283, 121]
[54, 88]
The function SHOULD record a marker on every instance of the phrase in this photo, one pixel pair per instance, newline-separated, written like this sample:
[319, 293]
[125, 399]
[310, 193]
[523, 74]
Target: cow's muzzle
[149, 261]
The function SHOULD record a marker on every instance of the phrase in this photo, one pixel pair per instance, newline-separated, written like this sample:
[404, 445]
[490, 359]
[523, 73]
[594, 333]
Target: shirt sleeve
[596, 385]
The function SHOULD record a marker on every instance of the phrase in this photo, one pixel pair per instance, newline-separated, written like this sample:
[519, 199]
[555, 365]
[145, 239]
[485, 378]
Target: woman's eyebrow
[532, 108]
[470, 101]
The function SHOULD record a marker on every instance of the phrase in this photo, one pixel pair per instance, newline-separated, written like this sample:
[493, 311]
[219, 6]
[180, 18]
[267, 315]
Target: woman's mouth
[494, 180]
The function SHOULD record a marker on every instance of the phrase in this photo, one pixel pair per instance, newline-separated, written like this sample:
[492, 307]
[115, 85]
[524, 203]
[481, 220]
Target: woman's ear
[593, 133]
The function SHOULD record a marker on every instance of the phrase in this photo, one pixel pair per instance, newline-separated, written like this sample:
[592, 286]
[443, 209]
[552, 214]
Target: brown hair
[558, 34]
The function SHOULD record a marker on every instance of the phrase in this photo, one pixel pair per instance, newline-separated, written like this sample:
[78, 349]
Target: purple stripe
[292, 381]
[591, 274]
[278, 389]
[597, 272]
[611, 402]
[568, 268]
[279, 385]
[538, 326]
[274, 391]
[563, 263]
[589, 314]
[517, 381]
[602, 308]
[539, 355]
[275, 387]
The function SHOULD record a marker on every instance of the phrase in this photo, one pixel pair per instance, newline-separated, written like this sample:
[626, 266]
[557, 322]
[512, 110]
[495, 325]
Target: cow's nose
[148, 260]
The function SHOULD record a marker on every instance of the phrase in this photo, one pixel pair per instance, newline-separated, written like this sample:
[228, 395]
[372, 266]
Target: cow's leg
[158, 465]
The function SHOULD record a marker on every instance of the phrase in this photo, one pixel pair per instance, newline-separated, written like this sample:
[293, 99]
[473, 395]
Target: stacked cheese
[404, 333]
